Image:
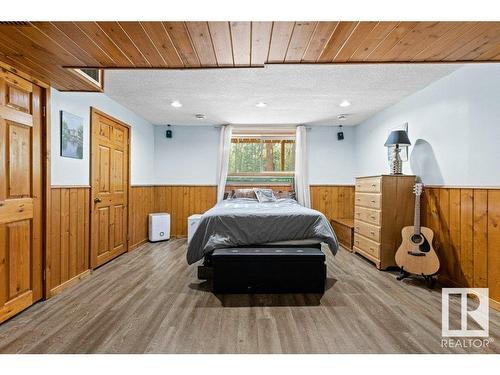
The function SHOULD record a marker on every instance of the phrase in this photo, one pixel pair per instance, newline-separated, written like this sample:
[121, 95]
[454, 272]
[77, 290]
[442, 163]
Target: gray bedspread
[238, 222]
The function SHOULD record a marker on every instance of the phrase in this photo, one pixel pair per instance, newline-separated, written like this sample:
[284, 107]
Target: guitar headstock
[418, 188]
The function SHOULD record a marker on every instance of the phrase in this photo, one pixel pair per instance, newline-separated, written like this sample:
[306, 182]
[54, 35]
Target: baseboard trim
[136, 245]
[16, 305]
[74, 280]
[142, 242]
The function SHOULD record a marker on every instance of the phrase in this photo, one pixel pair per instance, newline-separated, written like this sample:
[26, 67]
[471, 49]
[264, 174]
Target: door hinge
[44, 275]
[43, 111]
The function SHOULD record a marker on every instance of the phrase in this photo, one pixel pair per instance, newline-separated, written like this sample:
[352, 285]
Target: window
[262, 158]
[91, 74]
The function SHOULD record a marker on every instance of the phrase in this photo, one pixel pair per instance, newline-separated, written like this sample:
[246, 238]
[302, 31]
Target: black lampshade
[398, 137]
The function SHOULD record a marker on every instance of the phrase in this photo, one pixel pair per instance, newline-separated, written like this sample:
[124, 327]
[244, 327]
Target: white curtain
[224, 150]
[301, 167]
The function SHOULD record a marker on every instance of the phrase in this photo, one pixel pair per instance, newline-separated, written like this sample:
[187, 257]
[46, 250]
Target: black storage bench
[268, 270]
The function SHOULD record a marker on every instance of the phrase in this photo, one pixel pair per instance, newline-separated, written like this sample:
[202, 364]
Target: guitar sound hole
[416, 239]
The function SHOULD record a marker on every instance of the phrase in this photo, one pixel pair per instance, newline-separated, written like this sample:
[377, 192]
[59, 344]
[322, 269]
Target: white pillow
[265, 195]
[244, 193]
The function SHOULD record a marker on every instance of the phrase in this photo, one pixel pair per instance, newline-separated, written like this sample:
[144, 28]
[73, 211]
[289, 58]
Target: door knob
[97, 200]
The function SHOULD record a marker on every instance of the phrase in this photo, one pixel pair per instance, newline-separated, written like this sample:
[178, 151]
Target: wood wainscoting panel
[480, 242]
[180, 201]
[334, 201]
[69, 231]
[466, 223]
[493, 244]
[141, 205]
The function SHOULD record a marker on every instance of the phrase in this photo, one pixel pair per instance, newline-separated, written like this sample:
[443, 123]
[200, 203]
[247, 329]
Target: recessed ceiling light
[342, 117]
[261, 105]
[345, 103]
[176, 104]
[200, 116]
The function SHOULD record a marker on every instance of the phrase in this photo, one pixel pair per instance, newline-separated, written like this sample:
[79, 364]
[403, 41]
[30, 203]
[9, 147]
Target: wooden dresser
[383, 205]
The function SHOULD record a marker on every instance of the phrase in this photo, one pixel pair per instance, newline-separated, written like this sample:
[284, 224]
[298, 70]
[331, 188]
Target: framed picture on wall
[71, 135]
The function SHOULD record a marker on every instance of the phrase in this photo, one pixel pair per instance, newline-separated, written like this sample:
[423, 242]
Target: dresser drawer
[368, 215]
[368, 185]
[368, 200]
[370, 231]
[368, 246]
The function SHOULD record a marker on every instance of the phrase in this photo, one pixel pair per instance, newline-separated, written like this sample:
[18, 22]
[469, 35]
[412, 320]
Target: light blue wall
[66, 171]
[454, 126]
[331, 161]
[189, 157]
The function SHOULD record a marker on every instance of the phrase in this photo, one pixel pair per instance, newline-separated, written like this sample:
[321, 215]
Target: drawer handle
[372, 232]
[373, 217]
[358, 199]
[373, 200]
[357, 242]
[373, 185]
[372, 249]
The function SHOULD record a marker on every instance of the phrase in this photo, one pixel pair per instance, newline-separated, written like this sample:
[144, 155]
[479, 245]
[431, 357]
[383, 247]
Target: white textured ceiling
[295, 94]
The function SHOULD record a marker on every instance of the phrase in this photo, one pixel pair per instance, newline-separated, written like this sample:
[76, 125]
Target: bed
[245, 222]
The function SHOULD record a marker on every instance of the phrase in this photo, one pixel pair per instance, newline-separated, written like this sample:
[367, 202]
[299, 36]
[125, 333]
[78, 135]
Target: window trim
[88, 78]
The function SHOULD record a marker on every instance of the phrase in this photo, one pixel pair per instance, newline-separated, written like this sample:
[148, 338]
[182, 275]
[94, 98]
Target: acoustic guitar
[416, 254]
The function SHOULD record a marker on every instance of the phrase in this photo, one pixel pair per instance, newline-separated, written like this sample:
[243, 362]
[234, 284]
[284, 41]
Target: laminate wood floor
[150, 301]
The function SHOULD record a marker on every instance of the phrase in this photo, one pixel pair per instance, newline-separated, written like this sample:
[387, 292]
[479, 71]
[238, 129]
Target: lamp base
[396, 165]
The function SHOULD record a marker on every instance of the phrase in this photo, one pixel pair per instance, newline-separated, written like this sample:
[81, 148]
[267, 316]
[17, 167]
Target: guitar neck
[417, 215]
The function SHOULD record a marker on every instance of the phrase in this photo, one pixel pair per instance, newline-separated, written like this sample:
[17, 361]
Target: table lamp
[396, 139]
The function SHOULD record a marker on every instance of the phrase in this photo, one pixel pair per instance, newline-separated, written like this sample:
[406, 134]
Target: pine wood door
[20, 194]
[110, 183]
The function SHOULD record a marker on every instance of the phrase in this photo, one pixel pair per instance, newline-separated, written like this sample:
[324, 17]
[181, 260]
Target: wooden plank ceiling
[46, 49]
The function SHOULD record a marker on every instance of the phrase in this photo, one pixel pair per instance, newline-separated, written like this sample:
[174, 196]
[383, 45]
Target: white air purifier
[159, 227]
